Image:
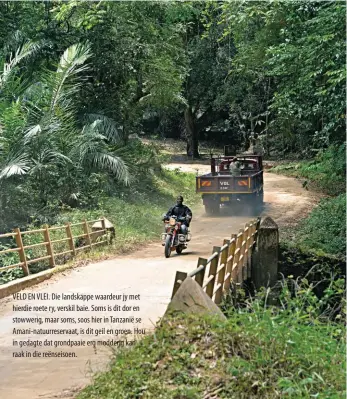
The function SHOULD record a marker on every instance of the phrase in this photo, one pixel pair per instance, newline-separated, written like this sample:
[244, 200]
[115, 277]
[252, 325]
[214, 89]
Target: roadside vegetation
[324, 231]
[326, 172]
[80, 79]
[135, 213]
[294, 350]
[78, 82]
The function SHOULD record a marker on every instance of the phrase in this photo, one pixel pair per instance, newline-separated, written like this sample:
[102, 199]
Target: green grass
[324, 231]
[326, 173]
[259, 352]
[135, 212]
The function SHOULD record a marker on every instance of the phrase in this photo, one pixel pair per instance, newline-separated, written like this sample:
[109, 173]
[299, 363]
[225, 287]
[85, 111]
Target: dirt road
[145, 272]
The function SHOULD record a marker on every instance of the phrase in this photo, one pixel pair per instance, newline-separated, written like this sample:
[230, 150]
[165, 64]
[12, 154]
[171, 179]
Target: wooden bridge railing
[46, 249]
[227, 267]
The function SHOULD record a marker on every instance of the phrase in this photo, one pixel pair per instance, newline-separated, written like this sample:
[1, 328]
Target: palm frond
[17, 165]
[106, 126]
[49, 155]
[91, 151]
[32, 132]
[181, 99]
[47, 158]
[111, 163]
[71, 63]
[26, 50]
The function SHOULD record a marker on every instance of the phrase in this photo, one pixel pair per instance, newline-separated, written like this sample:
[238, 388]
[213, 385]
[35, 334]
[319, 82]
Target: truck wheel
[212, 209]
[261, 197]
[208, 209]
[258, 202]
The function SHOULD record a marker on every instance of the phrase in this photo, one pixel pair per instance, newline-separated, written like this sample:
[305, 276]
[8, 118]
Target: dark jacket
[179, 211]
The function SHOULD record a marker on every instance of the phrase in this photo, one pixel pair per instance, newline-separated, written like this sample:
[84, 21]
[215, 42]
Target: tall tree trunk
[267, 145]
[192, 134]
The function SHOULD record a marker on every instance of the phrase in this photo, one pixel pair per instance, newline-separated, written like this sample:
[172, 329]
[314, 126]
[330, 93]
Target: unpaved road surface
[145, 272]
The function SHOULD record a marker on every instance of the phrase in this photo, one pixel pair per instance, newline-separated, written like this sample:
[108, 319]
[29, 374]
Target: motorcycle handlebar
[181, 219]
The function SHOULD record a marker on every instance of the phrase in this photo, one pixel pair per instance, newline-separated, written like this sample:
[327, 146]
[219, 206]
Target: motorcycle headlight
[172, 222]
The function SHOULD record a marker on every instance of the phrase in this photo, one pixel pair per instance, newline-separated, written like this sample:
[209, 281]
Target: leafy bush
[129, 209]
[325, 228]
[327, 171]
[261, 351]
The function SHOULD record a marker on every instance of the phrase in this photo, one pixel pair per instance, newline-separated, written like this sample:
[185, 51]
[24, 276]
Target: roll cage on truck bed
[221, 186]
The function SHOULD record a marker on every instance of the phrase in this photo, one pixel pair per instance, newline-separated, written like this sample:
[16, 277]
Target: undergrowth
[324, 230]
[327, 172]
[260, 351]
[135, 213]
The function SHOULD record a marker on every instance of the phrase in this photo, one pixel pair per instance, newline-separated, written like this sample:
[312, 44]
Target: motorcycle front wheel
[168, 246]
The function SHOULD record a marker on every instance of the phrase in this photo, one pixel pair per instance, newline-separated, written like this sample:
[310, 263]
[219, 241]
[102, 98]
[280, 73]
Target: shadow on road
[188, 253]
[239, 210]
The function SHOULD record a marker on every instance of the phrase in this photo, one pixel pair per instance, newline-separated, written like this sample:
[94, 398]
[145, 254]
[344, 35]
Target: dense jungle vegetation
[80, 80]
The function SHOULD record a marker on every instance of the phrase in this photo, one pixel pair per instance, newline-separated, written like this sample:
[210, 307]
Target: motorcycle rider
[180, 211]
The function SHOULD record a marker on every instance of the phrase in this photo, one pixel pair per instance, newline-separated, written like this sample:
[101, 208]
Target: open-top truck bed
[220, 186]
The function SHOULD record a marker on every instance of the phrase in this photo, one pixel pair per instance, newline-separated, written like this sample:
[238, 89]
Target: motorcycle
[173, 239]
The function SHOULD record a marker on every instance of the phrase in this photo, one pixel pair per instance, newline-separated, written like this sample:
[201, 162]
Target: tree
[47, 150]
[207, 66]
[288, 69]
[137, 62]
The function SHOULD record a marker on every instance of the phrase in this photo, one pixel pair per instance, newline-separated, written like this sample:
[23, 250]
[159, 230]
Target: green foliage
[259, 352]
[287, 74]
[325, 228]
[68, 104]
[327, 172]
[48, 140]
[311, 73]
[129, 209]
[272, 67]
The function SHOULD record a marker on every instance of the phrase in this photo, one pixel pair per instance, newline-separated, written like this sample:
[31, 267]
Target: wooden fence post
[180, 276]
[250, 249]
[49, 247]
[230, 262]
[237, 257]
[21, 252]
[265, 261]
[248, 230]
[199, 277]
[240, 259]
[86, 231]
[103, 226]
[212, 272]
[69, 235]
[221, 274]
[235, 272]
[257, 225]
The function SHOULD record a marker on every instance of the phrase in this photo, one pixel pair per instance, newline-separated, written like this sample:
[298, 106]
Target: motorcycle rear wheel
[167, 250]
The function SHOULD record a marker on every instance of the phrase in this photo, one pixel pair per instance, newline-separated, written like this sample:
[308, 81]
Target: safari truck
[224, 186]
